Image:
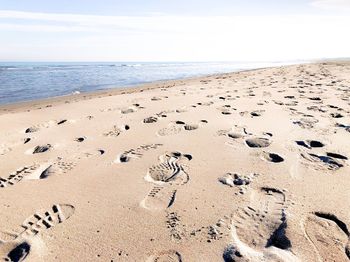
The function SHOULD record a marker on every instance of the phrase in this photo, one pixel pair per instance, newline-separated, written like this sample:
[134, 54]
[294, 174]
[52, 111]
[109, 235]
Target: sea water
[31, 81]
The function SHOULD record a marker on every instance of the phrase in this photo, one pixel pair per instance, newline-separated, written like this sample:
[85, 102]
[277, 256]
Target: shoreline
[57, 100]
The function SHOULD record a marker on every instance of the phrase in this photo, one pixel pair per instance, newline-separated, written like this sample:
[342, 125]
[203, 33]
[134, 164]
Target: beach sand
[246, 166]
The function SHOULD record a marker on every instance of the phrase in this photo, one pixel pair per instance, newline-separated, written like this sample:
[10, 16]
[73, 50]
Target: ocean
[30, 81]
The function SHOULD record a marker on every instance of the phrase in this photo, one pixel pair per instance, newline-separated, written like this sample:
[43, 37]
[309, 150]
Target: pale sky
[181, 30]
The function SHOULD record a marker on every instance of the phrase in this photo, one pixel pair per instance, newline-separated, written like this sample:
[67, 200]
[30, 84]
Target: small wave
[8, 67]
[131, 65]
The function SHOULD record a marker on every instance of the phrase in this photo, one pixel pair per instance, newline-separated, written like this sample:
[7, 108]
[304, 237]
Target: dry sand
[248, 166]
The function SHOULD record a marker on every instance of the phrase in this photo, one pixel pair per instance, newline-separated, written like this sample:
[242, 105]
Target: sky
[181, 30]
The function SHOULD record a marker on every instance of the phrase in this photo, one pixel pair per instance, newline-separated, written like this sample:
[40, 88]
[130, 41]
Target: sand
[247, 166]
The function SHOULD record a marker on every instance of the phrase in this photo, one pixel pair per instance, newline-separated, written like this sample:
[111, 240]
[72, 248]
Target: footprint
[40, 126]
[346, 127]
[171, 129]
[80, 139]
[190, 127]
[336, 115]
[4, 149]
[310, 144]
[257, 113]
[271, 157]
[116, 131]
[177, 126]
[46, 219]
[257, 224]
[151, 119]
[258, 142]
[15, 251]
[27, 172]
[35, 172]
[127, 155]
[166, 256]
[169, 169]
[59, 167]
[41, 149]
[130, 109]
[20, 248]
[258, 231]
[306, 123]
[319, 161]
[329, 237]
[31, 129]
[176, 228]
[226, 109]
[167, 176]
[159, 198]
[236, 134]
[237, 180]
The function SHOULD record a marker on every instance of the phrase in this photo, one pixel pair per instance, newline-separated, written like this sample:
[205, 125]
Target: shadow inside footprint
[272, 157]
[234, 135]
[150, 120]
[335, 155]
[329, 161]
[230, 254]
[80, 139]
[19, 253]
[279, 238]
[62, 122]
[31, 130]
[41, 149]
[258, 142]
[189, 127]
[46, 173]
[310, 144]
[336, 115]
[314, 143]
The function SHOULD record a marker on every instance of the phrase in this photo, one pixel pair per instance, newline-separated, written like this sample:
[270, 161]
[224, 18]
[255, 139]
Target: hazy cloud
[332, 4]
[46, 36]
